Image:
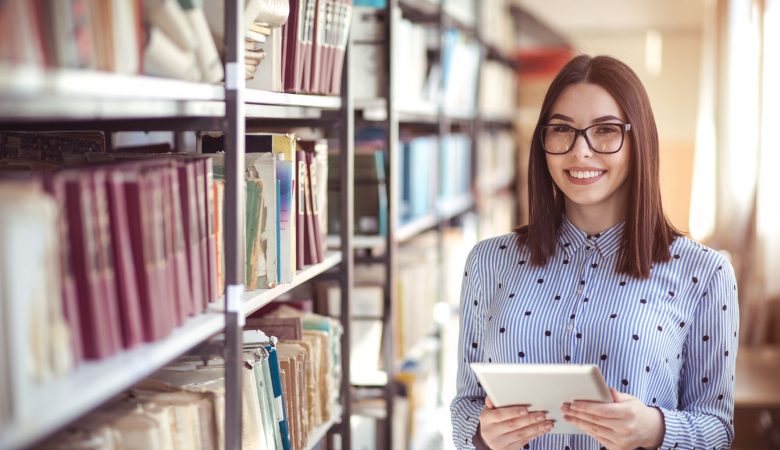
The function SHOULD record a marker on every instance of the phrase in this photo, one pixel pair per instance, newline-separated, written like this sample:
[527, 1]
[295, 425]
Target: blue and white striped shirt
[670, 340]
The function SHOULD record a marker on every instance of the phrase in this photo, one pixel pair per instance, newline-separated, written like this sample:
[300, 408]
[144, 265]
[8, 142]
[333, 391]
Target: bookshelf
[74, 99]
[398, 115]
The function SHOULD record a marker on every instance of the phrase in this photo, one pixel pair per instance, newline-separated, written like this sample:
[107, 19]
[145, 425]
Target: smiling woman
[600, 277]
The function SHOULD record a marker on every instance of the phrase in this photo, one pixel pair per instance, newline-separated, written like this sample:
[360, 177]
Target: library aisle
[240, 224]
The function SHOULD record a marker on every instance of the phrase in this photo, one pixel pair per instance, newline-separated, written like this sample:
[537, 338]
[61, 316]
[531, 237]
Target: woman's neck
[594, 219]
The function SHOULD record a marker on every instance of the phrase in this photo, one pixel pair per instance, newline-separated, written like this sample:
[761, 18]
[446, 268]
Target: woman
[600, 277]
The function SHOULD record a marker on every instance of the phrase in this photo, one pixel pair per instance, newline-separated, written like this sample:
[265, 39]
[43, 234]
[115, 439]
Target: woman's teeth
[585, 174]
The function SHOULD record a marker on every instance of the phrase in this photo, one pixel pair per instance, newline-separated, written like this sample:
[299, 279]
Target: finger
[522, 436]
[496, 415]
[587, 426]
[489, 403]
[611, 424]
[608, 410]
[619, 396]
[516, 423]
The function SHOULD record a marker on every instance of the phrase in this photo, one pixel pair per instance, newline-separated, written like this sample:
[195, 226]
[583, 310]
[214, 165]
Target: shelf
[498, 120]
[403, 233]
[254, 300]
[421, 11]
[252, 96]
[316, 436]
[494, 53]
[30, 93]
[410, 111]
[97, 382]
[93, 383]
[416, 227]
[451, 208]
[495, 185]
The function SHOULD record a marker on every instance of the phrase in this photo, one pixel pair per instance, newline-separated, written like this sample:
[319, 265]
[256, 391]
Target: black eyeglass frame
[624, 128]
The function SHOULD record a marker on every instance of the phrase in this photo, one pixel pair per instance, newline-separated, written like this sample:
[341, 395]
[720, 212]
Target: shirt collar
[571, 238]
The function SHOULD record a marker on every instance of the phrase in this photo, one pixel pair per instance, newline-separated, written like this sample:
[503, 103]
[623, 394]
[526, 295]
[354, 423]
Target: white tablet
[545, 387]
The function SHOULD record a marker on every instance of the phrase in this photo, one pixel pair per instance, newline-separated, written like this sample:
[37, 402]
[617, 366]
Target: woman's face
[589, 179]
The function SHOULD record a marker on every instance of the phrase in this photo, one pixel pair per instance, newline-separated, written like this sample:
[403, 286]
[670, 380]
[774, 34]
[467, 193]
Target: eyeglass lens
[605, 138]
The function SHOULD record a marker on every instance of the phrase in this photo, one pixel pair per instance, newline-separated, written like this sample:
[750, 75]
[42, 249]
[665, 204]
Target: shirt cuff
[675, 425]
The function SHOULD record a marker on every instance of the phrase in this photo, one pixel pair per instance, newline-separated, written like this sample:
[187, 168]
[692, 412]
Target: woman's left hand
[625, 424]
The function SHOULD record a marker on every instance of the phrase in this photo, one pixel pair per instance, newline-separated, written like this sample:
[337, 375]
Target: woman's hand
[511, 427]
[625, 424]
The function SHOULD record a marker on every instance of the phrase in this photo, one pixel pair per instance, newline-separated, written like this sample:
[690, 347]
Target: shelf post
[393, 181]
[234, 219]
[347, 201]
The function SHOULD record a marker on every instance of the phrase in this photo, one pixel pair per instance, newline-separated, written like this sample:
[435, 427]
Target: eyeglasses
[559, 139]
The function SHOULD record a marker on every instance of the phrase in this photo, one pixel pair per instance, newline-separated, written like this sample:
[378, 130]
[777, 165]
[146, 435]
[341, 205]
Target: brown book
[287, 375]
[300, 210]
[284, 328]
[314, 253]
[210, 227]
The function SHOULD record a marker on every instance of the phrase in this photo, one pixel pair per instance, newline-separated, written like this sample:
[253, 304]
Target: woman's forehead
[586, 102]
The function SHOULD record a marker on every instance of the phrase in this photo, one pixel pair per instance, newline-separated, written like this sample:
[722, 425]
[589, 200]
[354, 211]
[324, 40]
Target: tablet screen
[545, 387]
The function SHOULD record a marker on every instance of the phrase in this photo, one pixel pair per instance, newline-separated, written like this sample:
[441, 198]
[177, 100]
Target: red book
[175, 248]
[341, 32]
[144, 204]
[94, 277]
[55, 185]
[202, 218]
[127, 290]
[189, 212]
[306, 35]
[318, 41]
[300, 209]
[327, 47]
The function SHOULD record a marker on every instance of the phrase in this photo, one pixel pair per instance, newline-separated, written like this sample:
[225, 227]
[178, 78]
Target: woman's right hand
[511, 427]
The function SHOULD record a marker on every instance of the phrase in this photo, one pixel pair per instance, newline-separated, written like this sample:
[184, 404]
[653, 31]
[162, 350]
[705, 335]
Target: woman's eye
[606, 130]
[562, 129]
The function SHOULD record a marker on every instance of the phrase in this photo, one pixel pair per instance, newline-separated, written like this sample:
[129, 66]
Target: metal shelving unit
[69, 99]
[395, 115]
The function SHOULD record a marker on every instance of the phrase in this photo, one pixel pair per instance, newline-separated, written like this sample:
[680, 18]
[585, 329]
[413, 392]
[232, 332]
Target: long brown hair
[647, 234]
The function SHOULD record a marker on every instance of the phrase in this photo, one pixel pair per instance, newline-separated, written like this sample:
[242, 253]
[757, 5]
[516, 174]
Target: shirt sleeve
[469, 398]
[704, 418]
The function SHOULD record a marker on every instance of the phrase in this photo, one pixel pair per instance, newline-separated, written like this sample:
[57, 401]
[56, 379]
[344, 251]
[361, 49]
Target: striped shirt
[669, 340]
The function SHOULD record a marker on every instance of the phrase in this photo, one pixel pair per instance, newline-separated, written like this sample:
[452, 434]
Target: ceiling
[572, 18]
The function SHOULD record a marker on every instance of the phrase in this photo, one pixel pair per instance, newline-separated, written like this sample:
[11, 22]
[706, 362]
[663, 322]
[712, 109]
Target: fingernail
[539, 418]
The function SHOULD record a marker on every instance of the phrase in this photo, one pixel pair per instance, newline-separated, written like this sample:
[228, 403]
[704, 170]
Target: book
[21, 37]
[144, 202]
[122, 252]
[371, 208]
[301, 211]
[87, 216]
[169, 17]
[30, 301]
[269, 74]
[162, 57]
[315, 237]
[205, 48]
